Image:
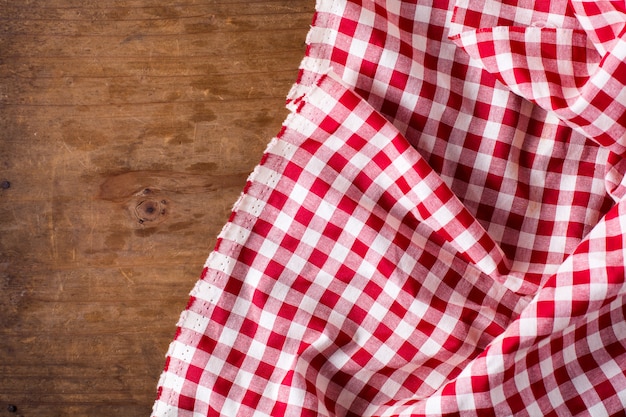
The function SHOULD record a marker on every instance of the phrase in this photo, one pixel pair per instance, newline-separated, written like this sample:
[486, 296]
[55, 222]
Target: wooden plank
[144, 90]
[127, 131]
[55, 67]
[146, 21]
[153, 46]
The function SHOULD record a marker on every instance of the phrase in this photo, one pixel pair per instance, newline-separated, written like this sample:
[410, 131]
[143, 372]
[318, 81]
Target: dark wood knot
[151, 211]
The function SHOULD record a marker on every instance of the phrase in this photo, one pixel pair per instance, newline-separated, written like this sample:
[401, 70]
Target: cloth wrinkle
[437, 229]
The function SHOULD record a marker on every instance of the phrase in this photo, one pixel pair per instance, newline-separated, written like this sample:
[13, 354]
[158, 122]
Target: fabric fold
[561, 356]
[500, 156]
[438, 229]
[338, 242]
[577, 72]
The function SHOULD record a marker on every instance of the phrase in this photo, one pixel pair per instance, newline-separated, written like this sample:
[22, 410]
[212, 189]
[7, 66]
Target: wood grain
[128, 128]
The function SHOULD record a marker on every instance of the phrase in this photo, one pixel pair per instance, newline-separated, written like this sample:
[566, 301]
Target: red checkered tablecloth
[438, 229]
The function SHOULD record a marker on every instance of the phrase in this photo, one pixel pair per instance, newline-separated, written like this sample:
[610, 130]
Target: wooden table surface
[128, 128]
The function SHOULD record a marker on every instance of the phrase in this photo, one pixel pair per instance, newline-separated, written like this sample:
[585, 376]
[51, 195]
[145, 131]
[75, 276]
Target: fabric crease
[438, 228]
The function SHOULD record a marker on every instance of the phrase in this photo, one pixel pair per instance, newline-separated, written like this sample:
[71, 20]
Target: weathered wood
[127, 131]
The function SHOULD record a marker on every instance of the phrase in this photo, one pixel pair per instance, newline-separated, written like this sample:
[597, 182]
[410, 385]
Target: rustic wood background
[128, 128]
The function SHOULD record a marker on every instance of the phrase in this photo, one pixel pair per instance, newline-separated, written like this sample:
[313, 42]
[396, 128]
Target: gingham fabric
[438, 229]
